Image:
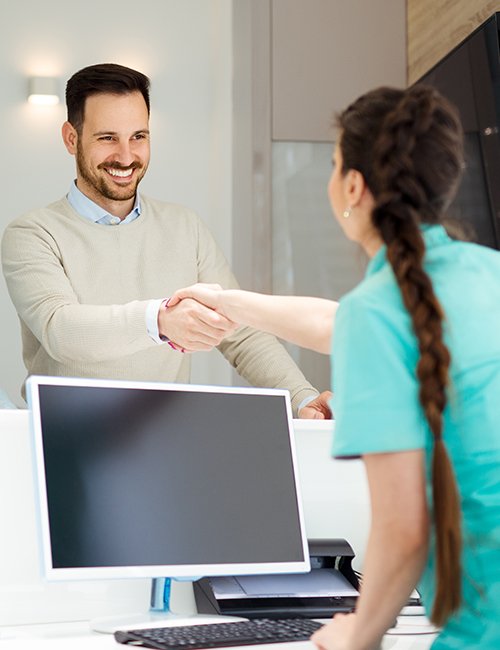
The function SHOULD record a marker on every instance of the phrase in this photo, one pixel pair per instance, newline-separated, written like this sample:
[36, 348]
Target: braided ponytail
[414, 166]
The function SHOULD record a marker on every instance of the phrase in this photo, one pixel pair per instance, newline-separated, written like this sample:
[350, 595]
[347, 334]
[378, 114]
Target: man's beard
[99, 184]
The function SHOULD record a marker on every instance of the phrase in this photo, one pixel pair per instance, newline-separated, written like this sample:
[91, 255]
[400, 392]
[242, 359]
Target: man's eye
[140, 136]
[106, 138]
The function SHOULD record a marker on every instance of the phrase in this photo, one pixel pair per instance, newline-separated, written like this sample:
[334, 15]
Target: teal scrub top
[377, 408]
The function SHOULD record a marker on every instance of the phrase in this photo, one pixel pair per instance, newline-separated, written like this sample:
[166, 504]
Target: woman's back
[378, 409]
[467, 282]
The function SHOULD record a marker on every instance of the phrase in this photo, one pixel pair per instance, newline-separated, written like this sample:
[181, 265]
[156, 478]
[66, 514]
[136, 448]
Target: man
[90, 275]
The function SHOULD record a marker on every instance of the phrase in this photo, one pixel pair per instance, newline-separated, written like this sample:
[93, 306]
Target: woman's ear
[355, 186]
[70, 137]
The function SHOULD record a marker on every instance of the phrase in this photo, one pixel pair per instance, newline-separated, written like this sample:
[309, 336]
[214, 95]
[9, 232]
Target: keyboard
[221, 635]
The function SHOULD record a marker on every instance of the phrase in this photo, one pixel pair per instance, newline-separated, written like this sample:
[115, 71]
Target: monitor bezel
[184, 571]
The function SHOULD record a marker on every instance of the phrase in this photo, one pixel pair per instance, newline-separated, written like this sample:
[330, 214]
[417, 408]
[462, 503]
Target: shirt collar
[89, 210]
[434, 235]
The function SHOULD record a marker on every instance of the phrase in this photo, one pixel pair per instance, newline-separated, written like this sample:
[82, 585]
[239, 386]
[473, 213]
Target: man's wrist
[163, 337]
[307, 400]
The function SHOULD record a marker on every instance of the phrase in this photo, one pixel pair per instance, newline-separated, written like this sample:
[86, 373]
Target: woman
[416, 371]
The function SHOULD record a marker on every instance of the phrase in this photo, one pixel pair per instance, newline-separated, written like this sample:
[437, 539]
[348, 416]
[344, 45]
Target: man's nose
[124, 154]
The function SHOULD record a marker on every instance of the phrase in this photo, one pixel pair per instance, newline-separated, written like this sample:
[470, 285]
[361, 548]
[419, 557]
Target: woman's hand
[206, 294]
[337, 635]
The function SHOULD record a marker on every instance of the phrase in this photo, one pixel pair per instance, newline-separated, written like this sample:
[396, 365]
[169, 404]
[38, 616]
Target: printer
[330, 587]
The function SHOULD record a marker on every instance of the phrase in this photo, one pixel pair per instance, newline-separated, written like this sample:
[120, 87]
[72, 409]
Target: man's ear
[70, 137]
[355, 185]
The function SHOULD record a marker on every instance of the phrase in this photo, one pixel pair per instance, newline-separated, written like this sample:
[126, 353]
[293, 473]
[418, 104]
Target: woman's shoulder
[480, 252]
[377, 293]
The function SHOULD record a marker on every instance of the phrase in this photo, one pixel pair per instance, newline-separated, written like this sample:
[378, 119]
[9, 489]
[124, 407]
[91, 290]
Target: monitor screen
[469, 76]
[149, 480]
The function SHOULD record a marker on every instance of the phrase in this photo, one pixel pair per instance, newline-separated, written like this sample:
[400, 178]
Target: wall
[308, 60]
[296, 62]
[435, 27]
[325, 54]
[185, 47]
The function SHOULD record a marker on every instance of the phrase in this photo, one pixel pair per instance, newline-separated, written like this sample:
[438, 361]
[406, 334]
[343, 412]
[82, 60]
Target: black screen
[470, 77]
[139, 477]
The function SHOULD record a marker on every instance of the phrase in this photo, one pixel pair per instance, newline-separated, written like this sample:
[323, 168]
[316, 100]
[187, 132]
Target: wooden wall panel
[435, 27]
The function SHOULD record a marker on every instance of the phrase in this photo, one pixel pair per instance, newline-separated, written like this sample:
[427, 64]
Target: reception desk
[335, 498]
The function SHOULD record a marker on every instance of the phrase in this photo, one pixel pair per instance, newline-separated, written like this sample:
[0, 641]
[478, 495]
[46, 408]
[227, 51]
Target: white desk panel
[334, 492]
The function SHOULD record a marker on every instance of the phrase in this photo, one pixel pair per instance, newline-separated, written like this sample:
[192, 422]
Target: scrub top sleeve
[375, 388]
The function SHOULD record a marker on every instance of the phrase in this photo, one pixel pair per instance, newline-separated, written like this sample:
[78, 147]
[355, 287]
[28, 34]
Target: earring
[347, 213]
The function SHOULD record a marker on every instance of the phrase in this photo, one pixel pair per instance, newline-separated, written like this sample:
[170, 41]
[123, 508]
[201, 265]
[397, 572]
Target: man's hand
[192, 327]
[318, 408]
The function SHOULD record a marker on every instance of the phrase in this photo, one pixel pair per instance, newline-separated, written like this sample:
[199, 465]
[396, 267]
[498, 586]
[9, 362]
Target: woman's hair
[408, 145]
[102, 78]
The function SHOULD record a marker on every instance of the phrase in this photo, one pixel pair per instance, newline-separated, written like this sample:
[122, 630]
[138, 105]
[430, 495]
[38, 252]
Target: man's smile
[120, 173]
[125, 174]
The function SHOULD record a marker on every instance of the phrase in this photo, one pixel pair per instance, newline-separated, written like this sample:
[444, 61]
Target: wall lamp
[43, 91]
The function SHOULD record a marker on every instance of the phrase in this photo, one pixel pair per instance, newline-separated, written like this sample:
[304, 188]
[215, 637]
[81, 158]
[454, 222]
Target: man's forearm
[262, 361]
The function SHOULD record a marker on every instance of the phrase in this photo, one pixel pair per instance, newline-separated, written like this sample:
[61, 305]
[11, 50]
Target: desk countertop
[77, 636]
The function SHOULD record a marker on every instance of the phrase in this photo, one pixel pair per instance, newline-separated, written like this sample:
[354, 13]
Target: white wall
[184, 46]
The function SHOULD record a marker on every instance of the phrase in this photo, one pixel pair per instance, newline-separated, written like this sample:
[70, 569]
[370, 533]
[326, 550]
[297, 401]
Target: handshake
[194, 320]
[201, 316]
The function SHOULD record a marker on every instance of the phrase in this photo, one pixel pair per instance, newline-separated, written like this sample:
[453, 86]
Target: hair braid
[400, 206]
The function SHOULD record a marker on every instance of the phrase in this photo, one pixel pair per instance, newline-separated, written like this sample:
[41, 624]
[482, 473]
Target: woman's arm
[307, 322]
[396, 551]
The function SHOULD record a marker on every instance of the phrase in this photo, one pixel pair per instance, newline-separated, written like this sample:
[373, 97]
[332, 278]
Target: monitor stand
[158, 615]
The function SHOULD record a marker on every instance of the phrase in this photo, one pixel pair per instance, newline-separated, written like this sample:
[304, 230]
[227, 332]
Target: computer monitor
[469, 76]
[143, 479]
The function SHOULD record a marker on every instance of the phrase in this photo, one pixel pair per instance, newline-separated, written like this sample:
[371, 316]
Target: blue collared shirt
[89, 210]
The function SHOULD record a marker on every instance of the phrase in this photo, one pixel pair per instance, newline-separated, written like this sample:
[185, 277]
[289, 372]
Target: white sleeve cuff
[305, 402]
[152, 319]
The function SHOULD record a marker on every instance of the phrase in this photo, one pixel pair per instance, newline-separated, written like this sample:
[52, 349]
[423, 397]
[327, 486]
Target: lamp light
[43, 91]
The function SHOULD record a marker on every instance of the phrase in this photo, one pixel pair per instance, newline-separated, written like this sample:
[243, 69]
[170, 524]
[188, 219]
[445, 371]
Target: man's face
[113, 150]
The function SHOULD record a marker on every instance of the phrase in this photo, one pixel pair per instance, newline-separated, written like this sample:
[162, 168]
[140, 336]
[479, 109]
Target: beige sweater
[81, 290]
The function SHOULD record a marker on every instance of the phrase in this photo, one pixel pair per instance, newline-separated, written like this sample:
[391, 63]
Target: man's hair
[102, 78]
